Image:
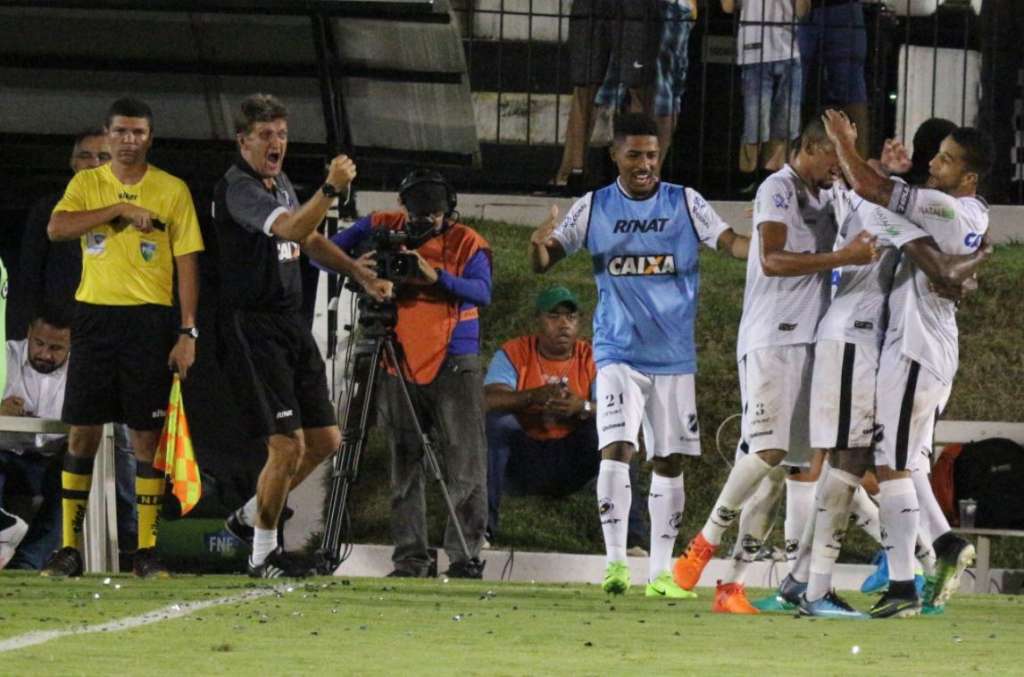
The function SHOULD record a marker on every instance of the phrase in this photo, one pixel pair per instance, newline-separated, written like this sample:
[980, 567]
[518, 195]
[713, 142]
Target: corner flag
[174, 454]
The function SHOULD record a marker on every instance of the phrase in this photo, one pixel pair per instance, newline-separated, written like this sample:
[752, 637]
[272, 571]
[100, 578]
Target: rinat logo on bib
[639, 226]
[642, 264]
[148, 250]
[125, 195]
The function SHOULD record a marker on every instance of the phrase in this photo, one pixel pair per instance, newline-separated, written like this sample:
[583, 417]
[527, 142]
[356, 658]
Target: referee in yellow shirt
[136, 224]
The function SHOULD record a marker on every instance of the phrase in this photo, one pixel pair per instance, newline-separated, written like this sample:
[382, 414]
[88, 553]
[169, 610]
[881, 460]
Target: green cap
[552, 297]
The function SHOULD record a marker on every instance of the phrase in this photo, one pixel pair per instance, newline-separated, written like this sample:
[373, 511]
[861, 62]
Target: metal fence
[891, 65]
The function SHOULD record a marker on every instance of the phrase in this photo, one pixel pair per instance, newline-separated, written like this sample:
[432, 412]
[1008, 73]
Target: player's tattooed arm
[545, 250]
[951, 276]
[737, 245]
[864, 180]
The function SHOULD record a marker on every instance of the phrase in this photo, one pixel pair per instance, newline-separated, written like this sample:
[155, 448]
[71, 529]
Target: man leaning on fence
[137, 227]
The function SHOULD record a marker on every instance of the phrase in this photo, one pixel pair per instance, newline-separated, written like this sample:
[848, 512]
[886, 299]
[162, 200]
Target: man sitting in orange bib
[541, 436]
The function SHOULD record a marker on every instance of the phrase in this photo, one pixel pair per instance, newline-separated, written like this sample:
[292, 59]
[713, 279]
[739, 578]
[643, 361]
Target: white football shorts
[665, 405]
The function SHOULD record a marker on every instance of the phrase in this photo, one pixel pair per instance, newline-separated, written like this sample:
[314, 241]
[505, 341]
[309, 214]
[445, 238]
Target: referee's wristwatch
[329, 191]
[190, 332]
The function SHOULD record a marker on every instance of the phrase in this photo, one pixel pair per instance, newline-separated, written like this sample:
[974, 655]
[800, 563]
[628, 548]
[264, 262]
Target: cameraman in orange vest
[541, 435]
[447, 271]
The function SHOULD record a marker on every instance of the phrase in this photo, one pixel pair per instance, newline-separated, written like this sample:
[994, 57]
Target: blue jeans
[124, 474]
[771, 101]
[35, 479]
[833, 49]
[522, 466]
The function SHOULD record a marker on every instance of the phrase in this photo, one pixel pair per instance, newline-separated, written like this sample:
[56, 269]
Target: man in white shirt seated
[30, 495]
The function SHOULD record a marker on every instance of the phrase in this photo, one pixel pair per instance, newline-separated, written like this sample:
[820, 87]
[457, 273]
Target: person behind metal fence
[276, 369]
[438, 329]
[769, 59]
[138, 231]
[833, 42]
[539, 393]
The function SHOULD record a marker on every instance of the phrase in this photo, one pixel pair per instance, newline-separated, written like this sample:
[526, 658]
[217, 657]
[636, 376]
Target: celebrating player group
[847, 348]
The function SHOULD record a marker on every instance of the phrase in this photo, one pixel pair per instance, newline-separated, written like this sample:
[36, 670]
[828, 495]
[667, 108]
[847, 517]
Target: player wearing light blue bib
[643, 237]
[645, 254]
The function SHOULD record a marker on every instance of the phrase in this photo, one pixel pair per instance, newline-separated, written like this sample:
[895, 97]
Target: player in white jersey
[644, 237]
[787, 292]
[920, 354]
[843, 386]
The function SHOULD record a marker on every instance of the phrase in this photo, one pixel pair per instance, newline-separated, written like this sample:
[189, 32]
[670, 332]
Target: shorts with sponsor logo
[843, 395]
[276, 372]
[117, 368]
[664, 405]
[775, 389]
[908, 398]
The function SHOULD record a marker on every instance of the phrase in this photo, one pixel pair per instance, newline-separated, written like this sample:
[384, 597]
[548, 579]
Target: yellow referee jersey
[120, 265]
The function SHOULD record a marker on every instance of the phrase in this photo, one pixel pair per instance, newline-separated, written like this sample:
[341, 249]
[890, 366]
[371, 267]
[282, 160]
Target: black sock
[946, 544]
[6, 520]
[902, 589]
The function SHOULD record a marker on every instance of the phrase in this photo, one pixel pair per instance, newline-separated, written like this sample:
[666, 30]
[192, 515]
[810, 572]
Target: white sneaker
[10, 538]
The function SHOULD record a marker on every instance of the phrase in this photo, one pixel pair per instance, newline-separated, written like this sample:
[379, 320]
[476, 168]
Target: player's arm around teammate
[950, 274]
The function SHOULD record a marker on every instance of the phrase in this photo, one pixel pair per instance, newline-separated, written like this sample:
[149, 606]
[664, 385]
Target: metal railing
[915, 59]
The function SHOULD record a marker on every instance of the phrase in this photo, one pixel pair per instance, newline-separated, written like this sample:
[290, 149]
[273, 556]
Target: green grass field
[385, 626]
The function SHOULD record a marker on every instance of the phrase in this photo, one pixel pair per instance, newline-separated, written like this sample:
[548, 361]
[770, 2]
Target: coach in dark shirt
[274, 364]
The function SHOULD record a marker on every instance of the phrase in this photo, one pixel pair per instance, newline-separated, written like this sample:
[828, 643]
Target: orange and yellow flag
[174, 454]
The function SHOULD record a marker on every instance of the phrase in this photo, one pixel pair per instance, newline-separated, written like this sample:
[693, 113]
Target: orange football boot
[731, 598]
[687, 569]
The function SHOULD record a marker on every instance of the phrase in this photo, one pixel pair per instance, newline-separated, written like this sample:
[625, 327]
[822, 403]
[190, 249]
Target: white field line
[166, 613]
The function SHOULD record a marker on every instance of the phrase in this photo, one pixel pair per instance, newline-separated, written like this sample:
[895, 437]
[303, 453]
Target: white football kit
[780, 317]
[921, 354]
[849, 337]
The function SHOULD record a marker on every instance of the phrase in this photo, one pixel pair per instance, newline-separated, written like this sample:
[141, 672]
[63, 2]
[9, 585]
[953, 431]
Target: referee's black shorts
[117, 369]
[275, 369]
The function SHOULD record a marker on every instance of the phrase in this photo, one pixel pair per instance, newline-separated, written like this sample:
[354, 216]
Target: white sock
[924, 552]
[900, 513]
[264, 541]
[665, 504]
[932, 517]
[865, 513]
[755, 520]
[799, 527]
[831, 519]
[799, 507]
[613, 501]
[739, 486]
[249, 512]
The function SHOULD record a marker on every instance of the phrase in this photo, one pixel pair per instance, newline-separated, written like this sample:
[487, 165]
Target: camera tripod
[374, 351]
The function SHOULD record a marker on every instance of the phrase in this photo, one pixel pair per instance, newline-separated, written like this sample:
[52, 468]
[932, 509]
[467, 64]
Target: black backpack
[992, 473]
